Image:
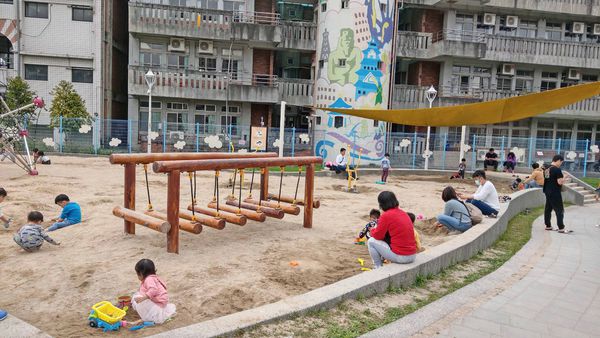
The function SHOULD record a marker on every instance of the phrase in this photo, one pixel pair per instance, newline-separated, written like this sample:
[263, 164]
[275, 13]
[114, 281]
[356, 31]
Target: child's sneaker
[3, 315]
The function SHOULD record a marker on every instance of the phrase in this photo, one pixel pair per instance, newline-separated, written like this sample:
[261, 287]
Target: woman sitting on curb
[400, 247]
[456, 215]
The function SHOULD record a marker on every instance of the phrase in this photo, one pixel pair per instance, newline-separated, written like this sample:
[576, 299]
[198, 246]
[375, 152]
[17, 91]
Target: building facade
[473, 51]
[45, 42]
[220, 65]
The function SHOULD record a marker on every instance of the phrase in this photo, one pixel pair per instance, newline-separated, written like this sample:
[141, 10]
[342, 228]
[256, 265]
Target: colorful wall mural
[355, 54]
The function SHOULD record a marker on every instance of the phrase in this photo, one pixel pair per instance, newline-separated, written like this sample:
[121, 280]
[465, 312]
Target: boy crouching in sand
[31, 236]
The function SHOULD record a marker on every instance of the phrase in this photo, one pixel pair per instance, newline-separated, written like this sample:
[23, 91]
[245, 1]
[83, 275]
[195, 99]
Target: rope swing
[150, 208]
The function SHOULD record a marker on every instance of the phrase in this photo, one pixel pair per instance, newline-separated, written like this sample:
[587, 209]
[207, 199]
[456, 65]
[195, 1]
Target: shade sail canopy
[489, 112]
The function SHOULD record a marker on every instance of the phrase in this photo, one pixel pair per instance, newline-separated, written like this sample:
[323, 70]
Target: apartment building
[477, 51]
[45, 42]
[220, 64]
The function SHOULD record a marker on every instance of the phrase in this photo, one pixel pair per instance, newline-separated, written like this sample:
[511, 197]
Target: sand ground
[217, 272]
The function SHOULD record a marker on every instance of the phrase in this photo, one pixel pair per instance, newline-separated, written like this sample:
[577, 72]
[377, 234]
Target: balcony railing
[574, 7]
[192, 84]
[458, 35]
[413, 44]
[296, 92]
[410, 96]
[209, 24]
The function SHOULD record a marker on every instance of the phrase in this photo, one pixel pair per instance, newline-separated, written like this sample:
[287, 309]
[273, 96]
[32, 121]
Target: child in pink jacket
[152, 300]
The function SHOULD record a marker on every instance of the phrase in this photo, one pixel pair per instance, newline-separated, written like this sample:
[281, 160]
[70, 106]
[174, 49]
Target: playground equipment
[352, 170]
[12, 131]
[216, 214]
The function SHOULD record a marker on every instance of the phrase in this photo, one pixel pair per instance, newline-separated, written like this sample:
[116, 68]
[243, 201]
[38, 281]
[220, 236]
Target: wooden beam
[309, 186]
[129, 196]
[141, 219]
[265, 210]
[216, 223]
[290, 199]
[253, 215]
[229, 217]
[143, 158]
[287, 208]
[264, 183]
[173, 186]
[237, 163]
[185, 225]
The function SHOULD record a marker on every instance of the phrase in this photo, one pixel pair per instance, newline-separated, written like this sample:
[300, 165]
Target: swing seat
[288, 209]
[249, 214]
[142, 219]
[265, 210]
[227, 216]
[191, 227]
[215, 223]
[299, 201]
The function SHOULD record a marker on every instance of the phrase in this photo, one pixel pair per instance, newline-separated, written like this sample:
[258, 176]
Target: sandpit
[217, 272]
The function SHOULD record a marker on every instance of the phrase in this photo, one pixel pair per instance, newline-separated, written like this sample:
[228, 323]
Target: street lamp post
[430, 94]
[150, 78]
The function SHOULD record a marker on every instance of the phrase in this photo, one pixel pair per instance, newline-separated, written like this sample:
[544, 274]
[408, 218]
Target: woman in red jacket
[399, 246]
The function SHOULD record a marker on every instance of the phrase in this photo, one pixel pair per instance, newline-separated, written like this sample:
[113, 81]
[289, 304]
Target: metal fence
[406, 149]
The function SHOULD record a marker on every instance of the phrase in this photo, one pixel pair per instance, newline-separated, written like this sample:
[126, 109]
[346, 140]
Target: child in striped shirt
[31, 236]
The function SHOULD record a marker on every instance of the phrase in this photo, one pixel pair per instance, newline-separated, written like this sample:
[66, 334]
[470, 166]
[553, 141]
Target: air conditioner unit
[489, 19]
[512, 21]
[596, 30]
[578, 28]
[177, 45]
[574, 74]
[508, 69]
[205, 47]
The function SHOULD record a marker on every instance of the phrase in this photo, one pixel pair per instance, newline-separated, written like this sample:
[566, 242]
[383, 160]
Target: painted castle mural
[354, 64]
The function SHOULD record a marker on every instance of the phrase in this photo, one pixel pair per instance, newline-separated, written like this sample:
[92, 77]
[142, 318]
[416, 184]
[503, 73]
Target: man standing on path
[553, 181]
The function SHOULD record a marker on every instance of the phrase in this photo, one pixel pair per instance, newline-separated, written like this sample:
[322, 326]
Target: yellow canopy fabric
[489, 112]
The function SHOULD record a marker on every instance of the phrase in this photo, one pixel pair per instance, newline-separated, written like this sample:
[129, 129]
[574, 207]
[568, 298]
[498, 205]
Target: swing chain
[297, 185]
[150, 208]
[251, 183]
[192, 195]
[240, 195]
[216, 196]
[282, 169]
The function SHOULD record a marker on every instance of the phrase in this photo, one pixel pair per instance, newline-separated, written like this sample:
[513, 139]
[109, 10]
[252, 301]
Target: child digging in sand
[31, 236]
[4, 219]
[152, 300]
[70, 215]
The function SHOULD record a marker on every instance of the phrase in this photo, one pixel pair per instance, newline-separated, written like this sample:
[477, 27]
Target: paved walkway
[550, 288]
[13, 327]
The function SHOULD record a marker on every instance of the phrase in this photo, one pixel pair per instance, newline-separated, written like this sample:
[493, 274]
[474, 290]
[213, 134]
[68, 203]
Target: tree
[18, 94]
[67, 103]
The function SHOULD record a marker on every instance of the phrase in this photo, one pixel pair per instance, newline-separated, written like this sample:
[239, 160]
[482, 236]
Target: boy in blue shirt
[70, 215]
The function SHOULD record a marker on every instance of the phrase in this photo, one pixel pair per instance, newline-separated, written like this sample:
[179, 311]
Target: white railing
[296, 91]
[517, 45]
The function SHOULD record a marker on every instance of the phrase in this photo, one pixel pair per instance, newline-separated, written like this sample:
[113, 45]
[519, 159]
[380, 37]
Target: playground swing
[275, 206]
[293, 200]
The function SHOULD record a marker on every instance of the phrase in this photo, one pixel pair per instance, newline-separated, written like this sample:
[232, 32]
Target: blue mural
[369, 74]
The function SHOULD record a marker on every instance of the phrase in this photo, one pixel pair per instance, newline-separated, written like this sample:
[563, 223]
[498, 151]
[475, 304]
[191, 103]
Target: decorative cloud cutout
[85, 128]
[427, 153]
[277, 143]
[405, 143]
[304, 138]
[153, 135]
[519, 152]
[49, 142]
[114, 142]
[179, 145]
[214, 142]
[242, 151]
[466, 147]
[571, 155]
[594, 149]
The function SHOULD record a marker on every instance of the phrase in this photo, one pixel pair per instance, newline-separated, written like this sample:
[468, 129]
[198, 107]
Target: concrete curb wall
[429, 262]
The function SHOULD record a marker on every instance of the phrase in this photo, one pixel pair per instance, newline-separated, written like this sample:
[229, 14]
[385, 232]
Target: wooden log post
[309, 186]
[141, 219]
[249, 214]
[264, 183]
[290, 199]
[229, 217]
[129, 196]
[185, 225]
[216, 223]
[267, 211]
[173, 211]
[287, 208]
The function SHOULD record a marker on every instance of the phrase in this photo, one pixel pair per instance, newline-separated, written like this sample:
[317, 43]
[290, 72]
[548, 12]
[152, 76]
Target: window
[233, 69]
[6, 2]
[232, 123]
[231, 5]
[36, 72]
[589, 78]
[83, 14]
[341, 62]
[207, 64]
[553, 31]
[464, 22]
[504, 30]
[290, 61]
[292, 13]
[549, 81]
[176, 61]
[570, 36]
[232, 109]
[177, 121]
[524, 80]
[482, 28]
[547, 85]
[527, 29]
[324, 7]
[177, 106]
[82, 75]
[457, 69]
[155, 104]
[504, 83]
[318, 120]
[143, 119]
[345, 3]
[36, 10]
[338, 121]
